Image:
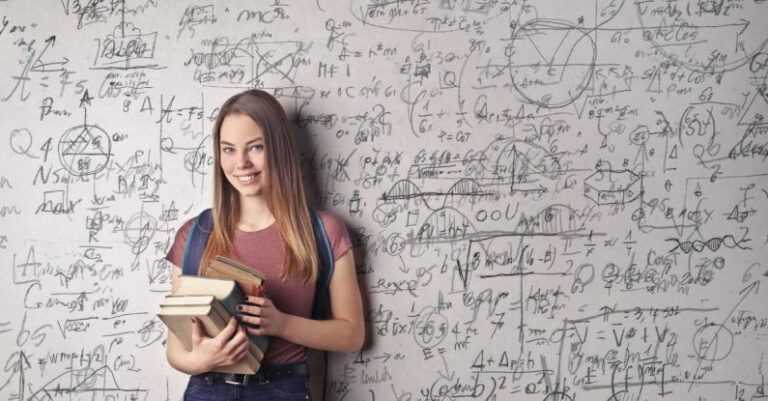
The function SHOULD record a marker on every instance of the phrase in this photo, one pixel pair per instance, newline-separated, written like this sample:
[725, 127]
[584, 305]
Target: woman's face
[242, 154]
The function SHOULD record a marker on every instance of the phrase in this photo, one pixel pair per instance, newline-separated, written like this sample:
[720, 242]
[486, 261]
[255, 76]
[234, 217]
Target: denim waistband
[266, 373]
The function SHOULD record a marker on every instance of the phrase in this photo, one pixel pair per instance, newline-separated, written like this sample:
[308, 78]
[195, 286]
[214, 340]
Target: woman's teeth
[246, 178]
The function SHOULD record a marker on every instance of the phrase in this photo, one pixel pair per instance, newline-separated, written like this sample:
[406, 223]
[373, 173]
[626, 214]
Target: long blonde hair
[284, 193]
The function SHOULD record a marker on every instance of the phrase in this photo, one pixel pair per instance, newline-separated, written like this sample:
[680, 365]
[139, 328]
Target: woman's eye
[226, 149]
[257, 147]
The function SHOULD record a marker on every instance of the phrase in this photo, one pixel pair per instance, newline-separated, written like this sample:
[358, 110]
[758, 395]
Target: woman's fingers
[228, 347]
[228, 331]
[257, 300]
[257, 331]
[249, 309]
[255, 311]
[261, 316]
[241, 350]
[234, 346]
[197, 331]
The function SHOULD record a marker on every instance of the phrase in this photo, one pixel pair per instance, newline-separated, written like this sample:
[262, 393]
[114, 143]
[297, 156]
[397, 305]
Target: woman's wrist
[196, 365]
[285, 329]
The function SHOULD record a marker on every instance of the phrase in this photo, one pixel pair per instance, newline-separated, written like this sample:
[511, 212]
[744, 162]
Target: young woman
[261, 218]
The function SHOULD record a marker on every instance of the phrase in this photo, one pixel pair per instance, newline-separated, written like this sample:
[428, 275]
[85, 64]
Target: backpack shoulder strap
[196, 242]
[321, 307]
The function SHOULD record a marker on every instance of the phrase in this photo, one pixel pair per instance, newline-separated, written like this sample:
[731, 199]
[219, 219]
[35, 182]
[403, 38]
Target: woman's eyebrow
[260, 139]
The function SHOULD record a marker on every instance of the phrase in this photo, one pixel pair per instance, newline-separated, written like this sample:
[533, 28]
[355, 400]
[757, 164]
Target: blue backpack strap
[321, 308]
[322, 305]
[196, 242]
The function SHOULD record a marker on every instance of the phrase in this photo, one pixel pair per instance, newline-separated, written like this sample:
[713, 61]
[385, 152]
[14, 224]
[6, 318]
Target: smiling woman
[261, 219]
[242, 154]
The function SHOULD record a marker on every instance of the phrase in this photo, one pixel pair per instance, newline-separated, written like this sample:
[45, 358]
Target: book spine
[222, 315]
[248, 287]
[233, 299]
[262, 342]
[218, 269]
[229, 304]
[229, 263]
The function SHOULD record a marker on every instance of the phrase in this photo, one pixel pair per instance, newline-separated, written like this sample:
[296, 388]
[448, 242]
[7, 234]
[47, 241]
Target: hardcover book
[227, 291]
[251, 281]
[176, 311]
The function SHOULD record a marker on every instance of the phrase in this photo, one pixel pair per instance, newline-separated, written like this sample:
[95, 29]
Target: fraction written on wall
[548, 200]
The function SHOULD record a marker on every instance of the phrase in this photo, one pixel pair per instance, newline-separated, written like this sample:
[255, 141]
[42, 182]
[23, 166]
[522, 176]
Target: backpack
[198, 238]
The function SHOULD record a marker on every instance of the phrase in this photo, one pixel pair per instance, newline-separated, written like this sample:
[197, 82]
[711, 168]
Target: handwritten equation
[549, 200]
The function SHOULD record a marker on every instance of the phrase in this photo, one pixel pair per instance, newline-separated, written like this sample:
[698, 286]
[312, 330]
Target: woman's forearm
[327, 335]
[181, 359]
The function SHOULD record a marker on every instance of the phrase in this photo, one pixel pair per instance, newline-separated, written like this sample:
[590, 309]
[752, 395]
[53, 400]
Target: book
[226, 291]
[177, 312]
[176, 304]
[206, 308]
[190, 304]
[171, 300]
[251, 281]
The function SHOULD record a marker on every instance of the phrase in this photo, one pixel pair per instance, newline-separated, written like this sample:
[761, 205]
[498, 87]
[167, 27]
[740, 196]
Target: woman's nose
[243, 161]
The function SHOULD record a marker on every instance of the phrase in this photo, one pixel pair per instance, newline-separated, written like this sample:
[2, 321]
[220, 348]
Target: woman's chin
[249, 192]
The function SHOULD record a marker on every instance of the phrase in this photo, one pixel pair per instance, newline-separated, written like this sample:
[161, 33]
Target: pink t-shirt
[263, 251]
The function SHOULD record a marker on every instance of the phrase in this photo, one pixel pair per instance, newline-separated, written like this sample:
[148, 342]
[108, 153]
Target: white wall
[550, 200]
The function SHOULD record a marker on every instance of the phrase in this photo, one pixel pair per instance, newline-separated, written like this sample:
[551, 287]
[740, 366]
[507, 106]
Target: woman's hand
[262, 317]
[227, 348]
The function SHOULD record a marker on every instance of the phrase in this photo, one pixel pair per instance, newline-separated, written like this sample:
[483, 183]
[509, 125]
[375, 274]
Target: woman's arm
[207, 353]
[345, 331]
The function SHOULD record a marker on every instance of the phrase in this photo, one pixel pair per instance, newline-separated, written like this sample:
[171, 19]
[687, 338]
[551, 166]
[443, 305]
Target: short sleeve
[176, 253]
[337, 234]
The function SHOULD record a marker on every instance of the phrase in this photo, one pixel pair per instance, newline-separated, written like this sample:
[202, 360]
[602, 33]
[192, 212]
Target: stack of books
[213, 299]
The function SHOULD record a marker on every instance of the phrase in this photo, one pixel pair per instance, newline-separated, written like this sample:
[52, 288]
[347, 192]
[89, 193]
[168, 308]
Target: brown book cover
[250, 280]
[177, 312]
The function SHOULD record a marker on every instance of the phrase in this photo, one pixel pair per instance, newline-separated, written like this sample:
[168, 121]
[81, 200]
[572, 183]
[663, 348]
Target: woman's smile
[248, 178]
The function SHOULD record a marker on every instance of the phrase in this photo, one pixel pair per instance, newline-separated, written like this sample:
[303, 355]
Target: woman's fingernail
[240, 307]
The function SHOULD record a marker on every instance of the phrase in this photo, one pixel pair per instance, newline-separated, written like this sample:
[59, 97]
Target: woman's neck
[254, 214]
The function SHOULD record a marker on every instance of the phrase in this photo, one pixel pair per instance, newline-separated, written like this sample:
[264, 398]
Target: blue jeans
[259, 387]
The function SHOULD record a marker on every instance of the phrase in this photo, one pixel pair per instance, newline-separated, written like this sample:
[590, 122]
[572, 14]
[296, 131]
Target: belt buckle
[232, 379]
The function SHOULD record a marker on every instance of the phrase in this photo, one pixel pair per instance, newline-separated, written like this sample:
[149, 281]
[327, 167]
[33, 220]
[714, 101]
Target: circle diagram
[84, 150]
